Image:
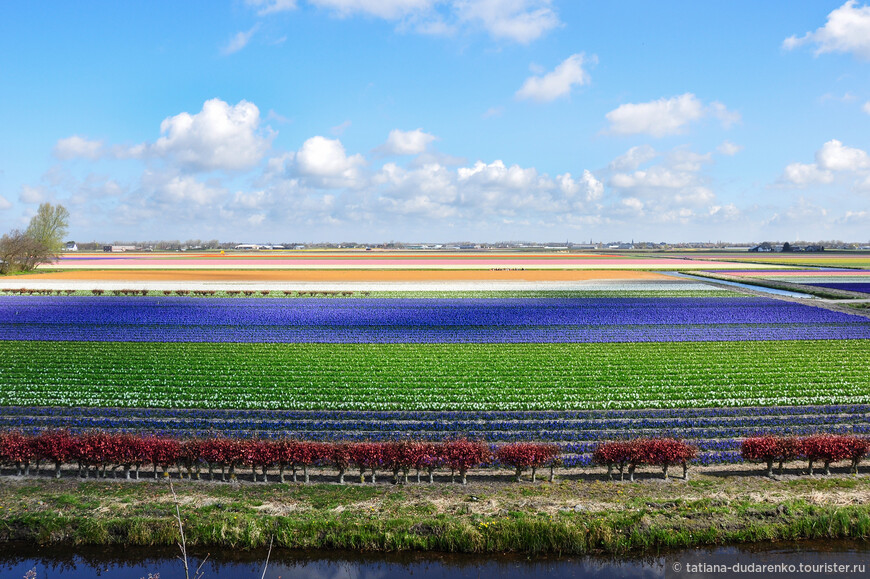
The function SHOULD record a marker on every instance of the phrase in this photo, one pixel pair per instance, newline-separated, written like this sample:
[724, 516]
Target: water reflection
[136, 563]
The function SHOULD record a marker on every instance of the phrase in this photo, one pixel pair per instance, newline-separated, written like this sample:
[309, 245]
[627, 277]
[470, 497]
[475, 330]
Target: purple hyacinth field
[511, 320]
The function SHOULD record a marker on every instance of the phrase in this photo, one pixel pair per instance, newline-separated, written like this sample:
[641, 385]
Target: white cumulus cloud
[327, 163]
[76, 146]
[803, 174]
[847, 30]
[657, 177]
[183, 189]
[837, 157]
[633, 158]
[498, 175]
[587, 186]
[664, 117]
[4, 203]
[407, 142]
[833, 159]
[221, 136]
[557, 83]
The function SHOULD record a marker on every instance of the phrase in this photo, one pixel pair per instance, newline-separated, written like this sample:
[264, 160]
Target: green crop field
[435, 376]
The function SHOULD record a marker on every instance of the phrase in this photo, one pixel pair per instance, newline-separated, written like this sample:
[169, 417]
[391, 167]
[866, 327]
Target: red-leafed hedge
[526, 455]
[663, 452]
[824, 448]
[104, 453]
[769, 449]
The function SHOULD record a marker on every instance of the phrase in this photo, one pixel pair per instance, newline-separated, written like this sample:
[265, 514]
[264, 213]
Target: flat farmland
[572, 368]
[361, 260]
[343, 276]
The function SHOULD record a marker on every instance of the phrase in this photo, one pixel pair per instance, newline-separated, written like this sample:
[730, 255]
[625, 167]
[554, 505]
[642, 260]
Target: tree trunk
[57, 469]
[518, 473]
[341, 476]
[631, 472]
[462, 474]
[827, 467]
[811, 467]
[534, 473]
[305, 473]
[685, 471]
[665, 470]
[770, 468]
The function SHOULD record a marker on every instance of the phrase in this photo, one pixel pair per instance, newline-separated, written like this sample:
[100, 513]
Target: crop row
[645, 290]
[435, 334]
[859, 287]
[415, 377]
[716, 432]
[507, 320]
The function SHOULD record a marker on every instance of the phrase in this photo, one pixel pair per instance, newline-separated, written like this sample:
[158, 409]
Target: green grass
[615, 518]
[435, 376]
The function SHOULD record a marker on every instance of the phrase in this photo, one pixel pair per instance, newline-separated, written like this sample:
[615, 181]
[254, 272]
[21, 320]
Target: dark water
[819, 558]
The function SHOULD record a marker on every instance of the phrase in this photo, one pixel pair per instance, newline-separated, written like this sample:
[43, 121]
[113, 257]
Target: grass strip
[560, 518]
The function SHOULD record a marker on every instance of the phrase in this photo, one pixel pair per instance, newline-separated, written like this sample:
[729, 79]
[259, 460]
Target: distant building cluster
[786, 247]
[565, 246]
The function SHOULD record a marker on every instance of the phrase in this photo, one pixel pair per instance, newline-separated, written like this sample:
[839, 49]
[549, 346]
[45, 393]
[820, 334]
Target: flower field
[408, 377]
[405, 321]
[573, 369]
[376, 260]
[860, 287]
[717, 432]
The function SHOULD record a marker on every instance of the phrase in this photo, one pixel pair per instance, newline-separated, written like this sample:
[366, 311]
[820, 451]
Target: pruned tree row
[102, 454]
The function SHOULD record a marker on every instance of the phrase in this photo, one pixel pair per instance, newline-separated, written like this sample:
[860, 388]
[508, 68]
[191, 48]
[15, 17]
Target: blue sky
[437, 120]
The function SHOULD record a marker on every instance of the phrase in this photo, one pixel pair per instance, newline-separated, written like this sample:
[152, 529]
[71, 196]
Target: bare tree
[21, 252]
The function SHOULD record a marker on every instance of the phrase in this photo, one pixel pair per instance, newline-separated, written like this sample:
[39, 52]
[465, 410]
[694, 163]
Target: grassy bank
[566, 517]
